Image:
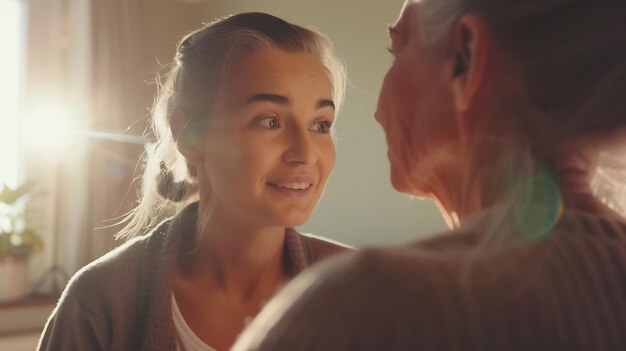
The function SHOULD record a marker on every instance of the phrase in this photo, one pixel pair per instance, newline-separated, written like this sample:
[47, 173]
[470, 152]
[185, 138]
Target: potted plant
[17, 241]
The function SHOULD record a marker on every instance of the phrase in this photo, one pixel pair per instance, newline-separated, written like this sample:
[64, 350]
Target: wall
[359, 206]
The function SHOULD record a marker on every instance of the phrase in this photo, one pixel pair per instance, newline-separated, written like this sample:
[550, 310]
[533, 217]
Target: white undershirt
[187, 339]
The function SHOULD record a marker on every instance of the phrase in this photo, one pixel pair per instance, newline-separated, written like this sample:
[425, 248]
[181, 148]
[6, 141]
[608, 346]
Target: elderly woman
[506, 113]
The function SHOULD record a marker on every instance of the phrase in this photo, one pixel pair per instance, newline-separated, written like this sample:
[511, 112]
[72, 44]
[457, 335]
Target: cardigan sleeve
[79, 321]
[97, 310]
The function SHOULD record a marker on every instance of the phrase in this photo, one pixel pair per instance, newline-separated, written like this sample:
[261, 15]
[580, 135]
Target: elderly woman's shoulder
[429, 251]
[439, 262]
[383, 266]
[462, 258]
[349, 301]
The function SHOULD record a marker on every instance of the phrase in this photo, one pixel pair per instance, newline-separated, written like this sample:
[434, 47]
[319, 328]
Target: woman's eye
[322, 127]
[270, 123]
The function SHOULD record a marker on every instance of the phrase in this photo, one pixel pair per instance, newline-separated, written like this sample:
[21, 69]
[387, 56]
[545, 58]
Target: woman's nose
[300, 148]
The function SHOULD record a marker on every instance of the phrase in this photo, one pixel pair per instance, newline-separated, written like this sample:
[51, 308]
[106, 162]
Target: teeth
[296, 186]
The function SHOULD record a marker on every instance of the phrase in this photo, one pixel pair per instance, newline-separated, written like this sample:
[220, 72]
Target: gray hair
[201, 67]
[566, 62]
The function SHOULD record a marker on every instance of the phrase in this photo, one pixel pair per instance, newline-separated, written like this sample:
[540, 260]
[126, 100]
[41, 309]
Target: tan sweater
[565, 292]
[122, 301]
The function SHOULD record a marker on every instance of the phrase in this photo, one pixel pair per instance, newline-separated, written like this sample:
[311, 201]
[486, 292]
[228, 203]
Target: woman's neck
[507, 175]
[234, 257]
[486, 172]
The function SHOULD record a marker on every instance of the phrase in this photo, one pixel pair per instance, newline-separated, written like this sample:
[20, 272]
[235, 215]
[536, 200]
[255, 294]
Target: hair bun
[169, 188]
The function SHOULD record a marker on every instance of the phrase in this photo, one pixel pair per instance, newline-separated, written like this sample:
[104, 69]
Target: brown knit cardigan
[564, 292]
[122, 300]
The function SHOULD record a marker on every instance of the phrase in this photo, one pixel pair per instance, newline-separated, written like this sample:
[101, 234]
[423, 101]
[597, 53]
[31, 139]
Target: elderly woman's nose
[377, 116]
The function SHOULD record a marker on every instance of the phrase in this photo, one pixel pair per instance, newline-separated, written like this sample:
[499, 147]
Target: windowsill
[25, 315]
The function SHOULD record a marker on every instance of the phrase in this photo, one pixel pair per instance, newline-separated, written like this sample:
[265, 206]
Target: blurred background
[77, 81]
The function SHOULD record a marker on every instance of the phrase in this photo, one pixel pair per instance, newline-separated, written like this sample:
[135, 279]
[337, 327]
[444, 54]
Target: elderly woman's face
[268, 150]
[415, 108]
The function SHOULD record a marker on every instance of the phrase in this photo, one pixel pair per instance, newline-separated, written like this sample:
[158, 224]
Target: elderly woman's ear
[470, 52]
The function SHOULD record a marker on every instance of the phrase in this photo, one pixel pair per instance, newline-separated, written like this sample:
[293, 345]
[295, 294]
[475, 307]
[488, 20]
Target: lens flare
[49, 126]
[539, 207]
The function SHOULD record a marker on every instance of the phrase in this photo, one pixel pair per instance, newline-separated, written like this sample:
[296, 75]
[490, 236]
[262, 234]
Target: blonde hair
[201, 67]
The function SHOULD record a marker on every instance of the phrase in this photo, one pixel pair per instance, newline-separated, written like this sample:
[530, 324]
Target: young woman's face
[415, 108]
[268, 151]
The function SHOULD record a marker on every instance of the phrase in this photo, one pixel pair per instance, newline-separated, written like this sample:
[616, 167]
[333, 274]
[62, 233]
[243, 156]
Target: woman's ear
[470, 52]
[186, 138]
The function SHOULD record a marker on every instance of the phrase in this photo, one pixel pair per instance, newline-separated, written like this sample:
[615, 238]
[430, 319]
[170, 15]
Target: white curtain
[97, 57]
[57, 66]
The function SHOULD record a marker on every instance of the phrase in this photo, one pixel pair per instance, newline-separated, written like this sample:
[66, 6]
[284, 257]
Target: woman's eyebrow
[325, 103]
[283, 100]
[277, 99]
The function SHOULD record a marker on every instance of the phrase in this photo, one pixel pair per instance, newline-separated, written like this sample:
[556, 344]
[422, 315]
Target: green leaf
[9, 196]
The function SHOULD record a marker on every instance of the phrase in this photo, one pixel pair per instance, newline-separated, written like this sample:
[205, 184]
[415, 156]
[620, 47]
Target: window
[12, 57]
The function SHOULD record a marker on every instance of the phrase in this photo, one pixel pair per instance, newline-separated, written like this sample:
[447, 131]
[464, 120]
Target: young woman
[511, 115]
[243, 122]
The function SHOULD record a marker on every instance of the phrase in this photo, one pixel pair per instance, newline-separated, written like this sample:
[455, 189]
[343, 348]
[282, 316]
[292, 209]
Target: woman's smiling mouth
[294, 187]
